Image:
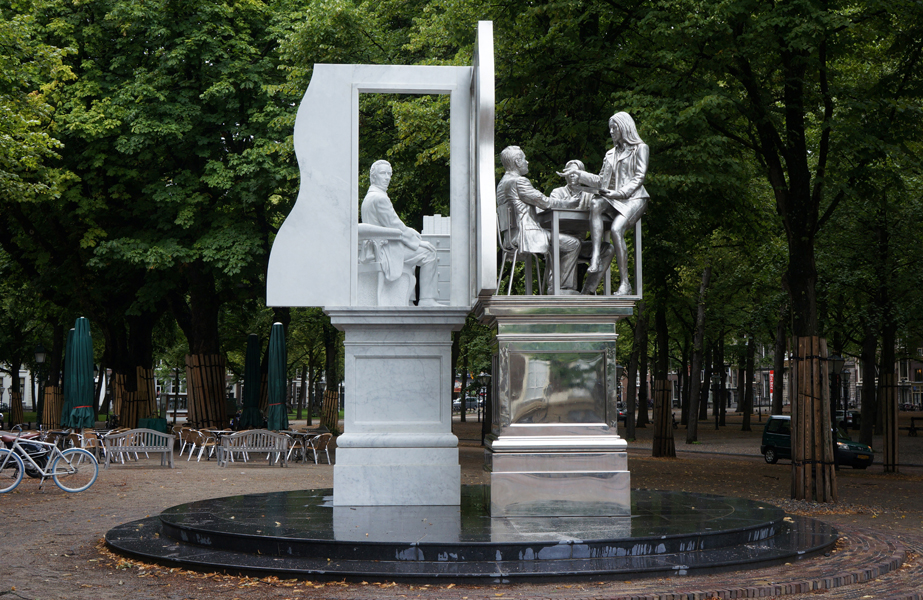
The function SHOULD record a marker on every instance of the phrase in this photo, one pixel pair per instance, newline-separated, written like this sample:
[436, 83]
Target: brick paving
[51, 546]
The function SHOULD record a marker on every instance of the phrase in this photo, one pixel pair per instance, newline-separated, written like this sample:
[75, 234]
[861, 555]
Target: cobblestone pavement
[51, 541]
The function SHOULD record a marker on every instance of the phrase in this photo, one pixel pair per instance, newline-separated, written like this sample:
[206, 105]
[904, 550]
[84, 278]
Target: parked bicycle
[72, 470]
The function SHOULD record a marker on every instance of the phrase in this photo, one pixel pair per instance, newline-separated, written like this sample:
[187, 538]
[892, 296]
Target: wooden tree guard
[330, 411]
[205, 377]
[16, 416]
[813, 475]
[887, 398]
[663, 421]
[51, 411]
[133, 405]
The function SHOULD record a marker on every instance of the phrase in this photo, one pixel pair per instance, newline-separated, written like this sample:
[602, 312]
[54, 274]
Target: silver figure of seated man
[516, 192]
[394, 255]
[620, 193]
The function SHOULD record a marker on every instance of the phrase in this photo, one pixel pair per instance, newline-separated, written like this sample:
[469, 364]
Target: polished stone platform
[302, 534]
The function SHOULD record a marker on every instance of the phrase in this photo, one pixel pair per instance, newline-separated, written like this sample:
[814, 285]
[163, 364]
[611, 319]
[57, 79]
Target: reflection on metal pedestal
[554, 448]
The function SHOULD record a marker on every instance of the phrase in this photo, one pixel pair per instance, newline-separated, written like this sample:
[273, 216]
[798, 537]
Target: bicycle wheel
[74, 470]
[11, 469]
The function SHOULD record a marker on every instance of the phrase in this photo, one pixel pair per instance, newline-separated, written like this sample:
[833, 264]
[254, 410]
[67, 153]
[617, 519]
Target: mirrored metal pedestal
[554, 449]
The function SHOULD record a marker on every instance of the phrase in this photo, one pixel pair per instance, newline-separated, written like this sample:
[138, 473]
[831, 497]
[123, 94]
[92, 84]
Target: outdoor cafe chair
[187, 437]
[320, 443]
[204, 440]
[90, 441]
[296, 443]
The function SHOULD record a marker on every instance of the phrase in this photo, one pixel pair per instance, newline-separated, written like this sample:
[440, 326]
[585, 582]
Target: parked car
[777, 443]
[471, 404]
[852, 418]
[623, 416]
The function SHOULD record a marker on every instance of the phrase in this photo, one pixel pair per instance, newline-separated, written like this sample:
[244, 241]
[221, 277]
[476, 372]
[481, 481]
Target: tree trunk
[205, 377]
[331, 350]
[53, 404]
[464, 388]
[706, 383]
[631, 386]
[456, 352]
[641, 329]
[302, 391]
[663, 406]
[99, 399]
[16, 412]
[748, 383]
[683, 383]
[887, 398]
[698, 340]
[869, 400]
[137, 398]
[813, 475]
[723, 395]
[778, 362]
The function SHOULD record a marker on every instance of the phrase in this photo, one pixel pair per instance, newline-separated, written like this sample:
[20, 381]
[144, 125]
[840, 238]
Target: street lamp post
[40, 364]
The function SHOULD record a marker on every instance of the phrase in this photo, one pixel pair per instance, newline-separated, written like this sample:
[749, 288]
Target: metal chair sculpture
[510, 251]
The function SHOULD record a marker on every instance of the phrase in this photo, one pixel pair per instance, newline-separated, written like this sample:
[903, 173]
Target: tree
[183, 158]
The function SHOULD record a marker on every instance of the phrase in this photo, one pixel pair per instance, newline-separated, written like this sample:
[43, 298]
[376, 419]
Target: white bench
[140, 440]
[242, 443]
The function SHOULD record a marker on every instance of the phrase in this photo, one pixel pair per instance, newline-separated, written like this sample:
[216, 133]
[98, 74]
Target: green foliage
[29, 71]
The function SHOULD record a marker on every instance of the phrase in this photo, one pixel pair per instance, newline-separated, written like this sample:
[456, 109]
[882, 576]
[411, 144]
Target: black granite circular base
[302, 534]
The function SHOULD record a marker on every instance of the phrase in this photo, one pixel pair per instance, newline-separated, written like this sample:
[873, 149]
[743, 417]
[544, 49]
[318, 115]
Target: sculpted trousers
[570, 251]
[425, 258]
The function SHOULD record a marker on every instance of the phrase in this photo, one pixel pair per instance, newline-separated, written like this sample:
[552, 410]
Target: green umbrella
[250, 417]
[79, 372]
[68, 379]
[277, 414]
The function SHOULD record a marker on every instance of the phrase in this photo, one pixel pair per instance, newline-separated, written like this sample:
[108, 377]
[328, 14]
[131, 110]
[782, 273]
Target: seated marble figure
[389, 251]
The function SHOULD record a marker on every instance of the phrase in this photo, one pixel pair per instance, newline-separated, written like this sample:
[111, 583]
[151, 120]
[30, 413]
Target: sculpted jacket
[517, 193]
[378, 210]
[624, 172]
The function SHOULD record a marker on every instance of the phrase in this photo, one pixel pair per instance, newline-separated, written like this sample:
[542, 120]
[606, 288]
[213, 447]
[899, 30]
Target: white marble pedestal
[397, 447]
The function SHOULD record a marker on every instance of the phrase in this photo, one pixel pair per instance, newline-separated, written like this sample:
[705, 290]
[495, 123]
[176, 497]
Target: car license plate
[862, 456]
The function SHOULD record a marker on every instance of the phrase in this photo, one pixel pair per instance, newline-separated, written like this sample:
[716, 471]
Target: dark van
[777, 443]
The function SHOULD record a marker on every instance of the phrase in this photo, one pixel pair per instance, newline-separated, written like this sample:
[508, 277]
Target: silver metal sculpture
[394, 246]
[516, 194]
[620, 193]
[574, 194]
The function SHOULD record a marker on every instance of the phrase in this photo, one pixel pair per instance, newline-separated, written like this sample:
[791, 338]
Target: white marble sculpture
[397, 446]
[392, 249]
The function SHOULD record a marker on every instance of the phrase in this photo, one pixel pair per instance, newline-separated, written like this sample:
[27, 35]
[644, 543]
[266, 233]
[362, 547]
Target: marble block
[397, 447]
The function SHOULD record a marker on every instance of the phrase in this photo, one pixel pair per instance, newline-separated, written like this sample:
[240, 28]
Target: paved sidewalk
[51, 540]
